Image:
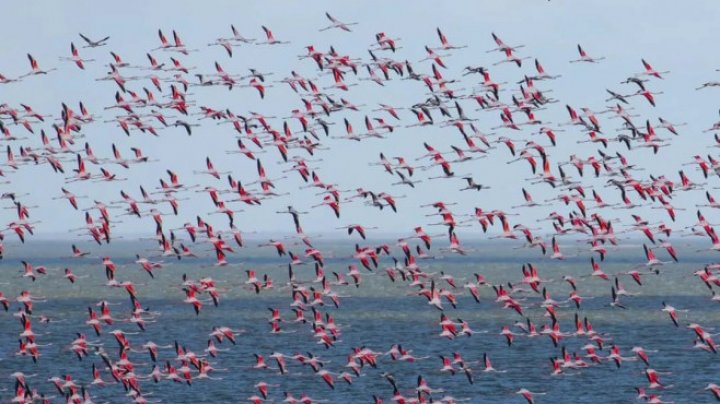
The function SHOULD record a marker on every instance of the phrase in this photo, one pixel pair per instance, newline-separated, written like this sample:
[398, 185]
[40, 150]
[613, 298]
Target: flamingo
[650, 71]
[528, 395]
[270, 38]
[93, 43]
[79, 62]
[337, 24]
[35, 68]
[584, 57]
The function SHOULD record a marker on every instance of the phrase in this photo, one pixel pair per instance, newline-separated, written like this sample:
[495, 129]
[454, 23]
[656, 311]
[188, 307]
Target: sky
[672, 37]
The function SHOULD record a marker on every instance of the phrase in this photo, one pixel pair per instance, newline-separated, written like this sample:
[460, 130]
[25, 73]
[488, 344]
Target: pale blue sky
[669, 35]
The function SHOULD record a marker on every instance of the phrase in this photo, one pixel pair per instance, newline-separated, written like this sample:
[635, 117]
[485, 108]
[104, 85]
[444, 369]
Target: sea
[375, 315]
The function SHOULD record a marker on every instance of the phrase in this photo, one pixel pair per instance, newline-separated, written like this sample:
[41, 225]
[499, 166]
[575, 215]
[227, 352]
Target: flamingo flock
[311, 121]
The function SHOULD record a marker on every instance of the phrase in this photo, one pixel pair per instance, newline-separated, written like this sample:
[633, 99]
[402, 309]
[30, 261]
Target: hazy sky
[669, 35]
